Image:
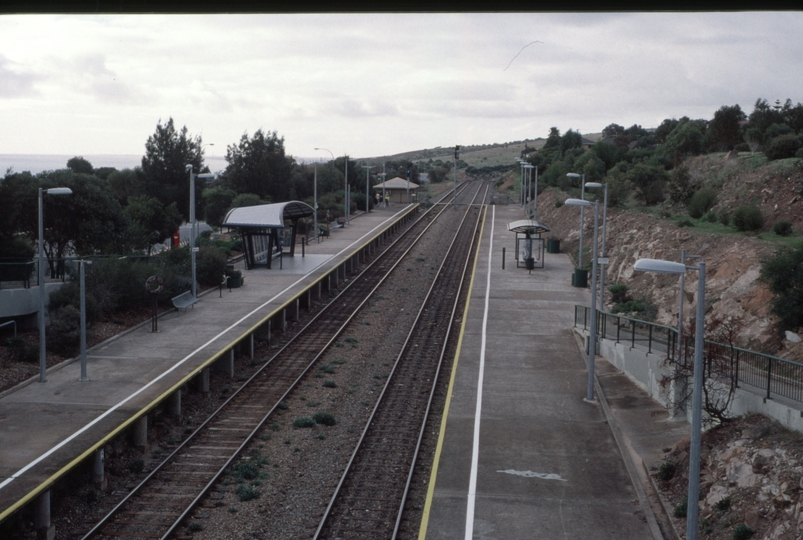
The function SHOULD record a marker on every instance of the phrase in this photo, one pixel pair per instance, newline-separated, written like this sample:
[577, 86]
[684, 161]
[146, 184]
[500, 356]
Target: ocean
[36, 163]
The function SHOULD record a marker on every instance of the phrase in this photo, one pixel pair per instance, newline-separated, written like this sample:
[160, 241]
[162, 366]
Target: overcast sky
[375, 84]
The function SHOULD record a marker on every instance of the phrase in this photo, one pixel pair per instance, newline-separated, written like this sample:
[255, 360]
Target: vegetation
[783, 274]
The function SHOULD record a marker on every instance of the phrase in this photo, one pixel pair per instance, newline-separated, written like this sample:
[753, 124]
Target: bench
[184, 300]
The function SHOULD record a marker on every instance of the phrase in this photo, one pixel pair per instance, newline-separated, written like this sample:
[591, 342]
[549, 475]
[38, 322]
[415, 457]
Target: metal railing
[770, 374]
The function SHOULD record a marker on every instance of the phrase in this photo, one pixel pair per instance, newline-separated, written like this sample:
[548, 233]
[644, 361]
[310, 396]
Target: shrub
[701, 202]
[618, 293]
[748, 218]
[711, 217]
[742, 532]
[211, 264]
[136, 466]
[724, 218]
[782, 228]
[69, 294]
[684, 223]
[324, 418]
[247, 493]
[21, 351]
[558, 203]
[783, 274]
[723, 504]
[666, 470]
[64, 330]
[303, 422]
[783, 146]
[681, 508]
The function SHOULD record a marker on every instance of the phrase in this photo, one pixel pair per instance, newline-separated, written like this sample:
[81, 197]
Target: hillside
[481, 155]
[733, 259]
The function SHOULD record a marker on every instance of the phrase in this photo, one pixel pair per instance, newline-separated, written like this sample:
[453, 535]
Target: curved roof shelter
[259, 228]
[267, 215]
[527, 226]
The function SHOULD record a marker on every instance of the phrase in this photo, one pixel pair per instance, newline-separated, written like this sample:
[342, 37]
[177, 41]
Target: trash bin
[529, 262]
[580, 278]
[553, 246]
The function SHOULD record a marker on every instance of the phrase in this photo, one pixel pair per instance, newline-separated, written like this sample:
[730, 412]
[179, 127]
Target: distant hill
[478, 155]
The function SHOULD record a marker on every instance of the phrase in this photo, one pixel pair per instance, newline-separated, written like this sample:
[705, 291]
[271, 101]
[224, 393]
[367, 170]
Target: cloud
[14, 81]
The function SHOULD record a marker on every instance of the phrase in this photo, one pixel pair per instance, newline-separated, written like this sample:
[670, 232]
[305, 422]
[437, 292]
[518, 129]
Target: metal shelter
[263, 229]
[529, 244]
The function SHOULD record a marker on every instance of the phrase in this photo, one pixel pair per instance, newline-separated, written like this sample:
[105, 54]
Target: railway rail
[156, 507]
[370, 498]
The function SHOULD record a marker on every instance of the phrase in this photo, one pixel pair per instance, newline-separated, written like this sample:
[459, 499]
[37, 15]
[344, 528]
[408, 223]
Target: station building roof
[267, 216]
[397, 183]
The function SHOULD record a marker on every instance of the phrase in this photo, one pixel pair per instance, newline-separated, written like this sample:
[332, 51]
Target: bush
[210, 265]
[69, 294]
[666, 470]
[748, 218]
[783, 146]
[324, 418]
[684, 223]
[558, 203]
[618, 293]
[724, 218]
[247, 493]
[64, 330]
[701, 202]
[742, 532]
[783, 274]
[303, 422]
[782, 228]
[21, 351]
[681, 508]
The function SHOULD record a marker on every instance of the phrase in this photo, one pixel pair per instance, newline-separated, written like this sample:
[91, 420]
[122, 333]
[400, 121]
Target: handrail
[771, 374]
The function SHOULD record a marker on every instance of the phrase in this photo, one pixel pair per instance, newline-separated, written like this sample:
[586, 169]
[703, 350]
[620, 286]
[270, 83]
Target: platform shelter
[266, 228]
[529, 244]
[397, 189]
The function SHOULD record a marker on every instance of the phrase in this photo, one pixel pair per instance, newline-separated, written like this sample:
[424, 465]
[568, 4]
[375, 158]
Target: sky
[378, 84]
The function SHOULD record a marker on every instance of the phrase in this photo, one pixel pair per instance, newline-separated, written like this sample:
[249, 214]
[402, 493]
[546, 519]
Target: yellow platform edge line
[422, 532]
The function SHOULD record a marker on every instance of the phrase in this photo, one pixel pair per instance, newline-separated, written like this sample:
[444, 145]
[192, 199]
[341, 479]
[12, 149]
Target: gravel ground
[297, 469]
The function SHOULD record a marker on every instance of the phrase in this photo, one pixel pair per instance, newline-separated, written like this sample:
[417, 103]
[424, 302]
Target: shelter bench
[184, 300]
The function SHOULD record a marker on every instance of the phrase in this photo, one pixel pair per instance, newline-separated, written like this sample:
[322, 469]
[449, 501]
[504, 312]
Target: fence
[770, 374]
[15, 273]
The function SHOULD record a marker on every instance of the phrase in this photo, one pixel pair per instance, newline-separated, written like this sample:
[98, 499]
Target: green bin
[580, 278]
[553, 246]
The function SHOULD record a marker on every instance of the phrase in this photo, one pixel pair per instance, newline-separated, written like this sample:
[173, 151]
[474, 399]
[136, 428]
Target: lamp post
[535, 196]
[347, 197]
[521, 163]
[592, 338]
[604, 236]
[316, 188]
[669, 267]
[683, 257]
[367, 189]
[42, 352]
[82, 271]
[193, 225]
[582, 215]
[529, 168]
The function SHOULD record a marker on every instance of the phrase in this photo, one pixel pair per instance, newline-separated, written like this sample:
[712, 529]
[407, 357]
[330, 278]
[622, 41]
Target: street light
[592, 339]
[42, 352]
[604, 236]
[669, 267]
[193, 249]
[315, 201]
[529, 169]
[582, 215]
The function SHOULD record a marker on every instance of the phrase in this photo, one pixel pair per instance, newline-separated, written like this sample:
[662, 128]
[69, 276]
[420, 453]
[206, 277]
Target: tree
[725, 129]
[151, 222]
[259, 165]
[79, 165]
[685, 140]
[783, 146]
[217, 201]
[164, 166]
[570, 140]
[126, 183]
[649, 182]
[663, 131]
[612, 131]
[591, 166]
[783, 274]
[553, 140]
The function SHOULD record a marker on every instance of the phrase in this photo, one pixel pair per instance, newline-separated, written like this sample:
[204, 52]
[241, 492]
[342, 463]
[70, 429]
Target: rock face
[733, 263]
[751, 473]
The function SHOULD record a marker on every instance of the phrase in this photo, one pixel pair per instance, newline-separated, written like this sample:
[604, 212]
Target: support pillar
[226, 364]
[141, 432]
[251, 346]
[41, 517]
[283, 324]
[203, 381]
[318, 290]
[99, 470]
[296, 310]
[174, 403]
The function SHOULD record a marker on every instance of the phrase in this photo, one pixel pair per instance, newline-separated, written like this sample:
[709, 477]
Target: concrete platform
[522, 455]
[45, 428]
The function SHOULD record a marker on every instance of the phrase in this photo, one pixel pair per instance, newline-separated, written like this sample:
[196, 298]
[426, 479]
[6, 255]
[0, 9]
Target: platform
[47, 427]
[521, 454]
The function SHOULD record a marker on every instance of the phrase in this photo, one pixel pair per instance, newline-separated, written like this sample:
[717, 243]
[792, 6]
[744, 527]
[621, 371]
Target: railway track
[370, 498]
[158, 505]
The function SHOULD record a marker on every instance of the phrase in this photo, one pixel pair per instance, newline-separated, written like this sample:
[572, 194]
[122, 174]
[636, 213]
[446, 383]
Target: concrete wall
[18, 302]
[646, 371]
